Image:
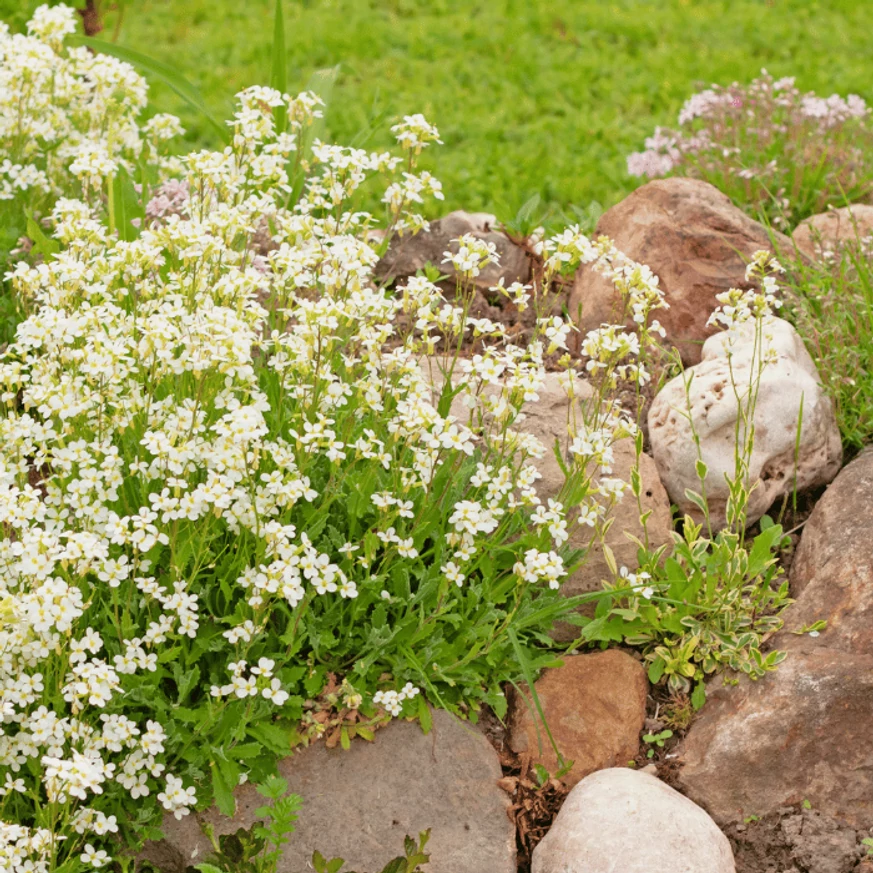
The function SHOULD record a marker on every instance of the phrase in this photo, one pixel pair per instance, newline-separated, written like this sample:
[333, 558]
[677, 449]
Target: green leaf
[208, 868]
[224, 779]
[656, 670]
[43, 245]
[424, 714]
[698, 696]
[160, 70]
[275, 739]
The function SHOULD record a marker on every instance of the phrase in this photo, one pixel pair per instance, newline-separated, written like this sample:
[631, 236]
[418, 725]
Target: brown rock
[360, 804]
[693, 238]
[408, 254]
[595, 707]
[832, 575]
[828, 231]
[842, 596]
[841, 524]
[800, 733]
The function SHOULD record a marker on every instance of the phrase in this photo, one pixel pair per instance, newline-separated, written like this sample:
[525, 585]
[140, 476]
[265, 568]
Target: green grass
[532, 96]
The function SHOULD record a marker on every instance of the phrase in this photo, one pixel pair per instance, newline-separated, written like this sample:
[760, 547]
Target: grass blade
[278, 67]
[529, 678]
[160, 70]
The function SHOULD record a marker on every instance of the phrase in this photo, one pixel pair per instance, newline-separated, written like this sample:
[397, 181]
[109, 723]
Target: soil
[797, 841]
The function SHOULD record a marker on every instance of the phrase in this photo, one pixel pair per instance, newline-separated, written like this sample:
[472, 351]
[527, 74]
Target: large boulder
[832, 574]
[789, 392]
[693, 239]
[408, 254]
[840, 524]
[624, 821]
[829, 231]
[595, 707]
[799, 733]
[360, 804]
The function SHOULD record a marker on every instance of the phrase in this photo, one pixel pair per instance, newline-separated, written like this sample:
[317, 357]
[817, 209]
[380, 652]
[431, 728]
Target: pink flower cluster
[766, 108]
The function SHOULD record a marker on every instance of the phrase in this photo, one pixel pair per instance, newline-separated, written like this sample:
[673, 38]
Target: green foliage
[659, 739]
[409, 862]
[830, 301]
[711, 603]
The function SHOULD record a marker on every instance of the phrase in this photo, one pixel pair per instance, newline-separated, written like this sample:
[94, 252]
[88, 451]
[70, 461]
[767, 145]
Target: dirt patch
[797, 841]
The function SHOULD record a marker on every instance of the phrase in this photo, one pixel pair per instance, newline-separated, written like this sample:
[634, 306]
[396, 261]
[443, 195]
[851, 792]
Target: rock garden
[341, 531]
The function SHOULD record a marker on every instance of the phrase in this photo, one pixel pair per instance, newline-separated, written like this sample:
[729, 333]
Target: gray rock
[408, 254]
[624, 821]
[800, 733]
[360, 804]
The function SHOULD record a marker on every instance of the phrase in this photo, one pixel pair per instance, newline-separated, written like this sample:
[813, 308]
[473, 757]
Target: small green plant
[678, 712]
[705, 608]
[867, 842]
[410, 861]
[659, 739]
[751, 818]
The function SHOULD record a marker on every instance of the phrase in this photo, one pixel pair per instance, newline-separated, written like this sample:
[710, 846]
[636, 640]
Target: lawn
[530, 97]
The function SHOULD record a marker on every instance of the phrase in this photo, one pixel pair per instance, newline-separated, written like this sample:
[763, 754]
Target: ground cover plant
[777, 152]
[831, 302]
[231, 487]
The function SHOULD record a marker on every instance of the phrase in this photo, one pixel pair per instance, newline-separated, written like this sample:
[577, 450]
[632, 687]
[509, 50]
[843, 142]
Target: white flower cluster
[69, 117]
[393, 700]
[738, 307]
[205, 396]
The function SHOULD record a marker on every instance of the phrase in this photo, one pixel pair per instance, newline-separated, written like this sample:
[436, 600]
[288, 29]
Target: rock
[779, 462]
[821, 844]
[547, 420]
[842, 596]
[595, 707]
[408, 254]
[799, 733]
[840, 524]
[830, 230]
[693, 239]
[622, 821]
[360, 804]
[832, 575]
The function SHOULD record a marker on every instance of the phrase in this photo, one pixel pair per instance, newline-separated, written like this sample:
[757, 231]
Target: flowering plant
[234, 470]
[70, 125]
[707, 602]
[773, 149]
